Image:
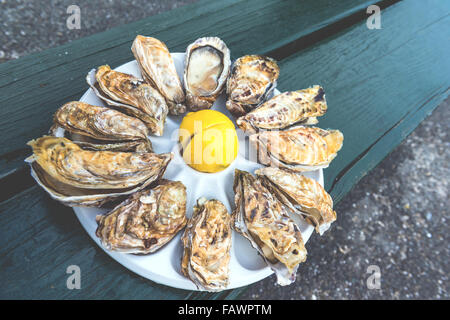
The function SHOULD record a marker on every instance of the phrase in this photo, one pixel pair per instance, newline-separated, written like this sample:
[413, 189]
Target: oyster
[206, 70]
[207, 242]
[262, 219]
[298, 149]
[130, 95]
[78, 177]
[252, 81]
[286, 109]
[302, 195]
[100, 128]
[145, 221]
[157, 67]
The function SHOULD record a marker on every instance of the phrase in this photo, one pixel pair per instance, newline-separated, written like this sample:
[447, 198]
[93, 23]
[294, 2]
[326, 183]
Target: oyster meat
[146, 221]
[131, 95]
[157, 67]
[263, 220]
[207, 66]
[302, 195]
[78, 177]
[100, 128]
[286, 109]
[252, 81]
[207, 242]
[298, 149]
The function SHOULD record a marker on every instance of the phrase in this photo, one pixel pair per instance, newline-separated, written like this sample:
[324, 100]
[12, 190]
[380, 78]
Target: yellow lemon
[208, 140]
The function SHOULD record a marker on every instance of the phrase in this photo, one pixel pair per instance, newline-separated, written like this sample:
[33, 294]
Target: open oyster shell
[78, 177]
[157, 67]
[146, 221]
[100, 128]
[302, 195]
[130, 95]
[207, 242]
[252, 81]
[286, 109]
[207, 66]
[298, 149]
[262, 219]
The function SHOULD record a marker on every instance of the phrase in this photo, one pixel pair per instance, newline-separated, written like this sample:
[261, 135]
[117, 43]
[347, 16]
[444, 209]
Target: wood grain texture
[43, 237]
[379, 84]
[32, 88]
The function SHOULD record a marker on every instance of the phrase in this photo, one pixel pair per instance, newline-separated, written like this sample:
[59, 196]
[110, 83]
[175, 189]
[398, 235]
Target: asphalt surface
[395, 218]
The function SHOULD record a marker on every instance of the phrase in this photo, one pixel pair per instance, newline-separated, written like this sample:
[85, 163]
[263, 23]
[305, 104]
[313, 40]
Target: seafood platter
[191, 169]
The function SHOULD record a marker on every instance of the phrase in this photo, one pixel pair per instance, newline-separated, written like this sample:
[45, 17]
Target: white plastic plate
[163, 266]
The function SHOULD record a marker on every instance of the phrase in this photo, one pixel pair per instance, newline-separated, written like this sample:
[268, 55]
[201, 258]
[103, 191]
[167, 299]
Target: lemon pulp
[208, 140]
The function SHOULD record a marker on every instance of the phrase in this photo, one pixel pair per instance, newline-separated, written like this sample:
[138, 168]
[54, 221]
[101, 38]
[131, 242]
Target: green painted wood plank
[33, 87]
[45, 238]
[379, 83]
[35, 82]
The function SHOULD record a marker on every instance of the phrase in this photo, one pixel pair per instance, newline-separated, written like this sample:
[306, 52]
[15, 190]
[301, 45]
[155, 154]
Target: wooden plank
[379, 83]
[33, 87]
[41, 238]
[39, 84]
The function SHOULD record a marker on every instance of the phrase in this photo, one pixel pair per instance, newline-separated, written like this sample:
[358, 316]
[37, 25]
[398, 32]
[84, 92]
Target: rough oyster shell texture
[145, 221]
[131, 95]
[298, 149]
[109, 159]
[78, 177]
[252, 81]
[262, 219]
[302, 195]
[207, 66]
[286, 109]
[157, 67]
[207, 243]
[100, 128]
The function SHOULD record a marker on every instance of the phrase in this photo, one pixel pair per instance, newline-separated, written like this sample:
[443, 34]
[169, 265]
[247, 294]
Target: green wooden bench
[380, 84]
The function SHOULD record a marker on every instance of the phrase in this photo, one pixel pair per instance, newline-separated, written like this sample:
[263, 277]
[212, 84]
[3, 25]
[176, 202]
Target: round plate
[163, 266]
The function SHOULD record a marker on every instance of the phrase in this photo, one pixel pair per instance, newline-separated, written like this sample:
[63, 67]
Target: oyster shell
[302, 195]
[157, 67]
[78, 177]
[146, 221]
[207, 242]
[262, 219]
[100, 128]
[130, 95]
[206, 70]
[252, 81]
[286, 109]
[298, 149]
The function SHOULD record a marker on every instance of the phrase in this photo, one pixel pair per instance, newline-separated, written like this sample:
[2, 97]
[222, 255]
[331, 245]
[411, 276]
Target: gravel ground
[28, 26]
[395, 218]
